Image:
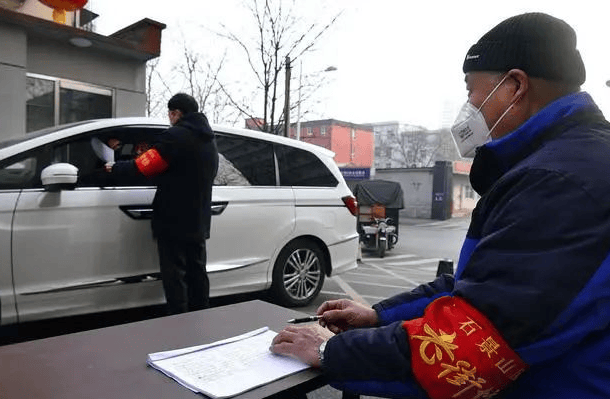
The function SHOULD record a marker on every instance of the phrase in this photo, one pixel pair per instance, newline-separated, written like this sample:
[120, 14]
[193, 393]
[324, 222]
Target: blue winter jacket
[535, 262]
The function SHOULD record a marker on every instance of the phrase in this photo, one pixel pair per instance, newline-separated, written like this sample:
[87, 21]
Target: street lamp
[328, 69]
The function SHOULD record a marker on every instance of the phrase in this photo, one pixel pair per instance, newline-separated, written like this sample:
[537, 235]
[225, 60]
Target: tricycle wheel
[381, 249]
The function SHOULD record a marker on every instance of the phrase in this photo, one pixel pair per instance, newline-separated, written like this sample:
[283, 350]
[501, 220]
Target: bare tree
[419, 147]
[200, 78]
[411, 147]
[157, 89]
[280, 35]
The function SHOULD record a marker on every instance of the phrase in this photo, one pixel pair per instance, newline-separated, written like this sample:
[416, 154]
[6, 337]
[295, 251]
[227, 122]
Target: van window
[19, 174]
[244, 162]
[302, 168]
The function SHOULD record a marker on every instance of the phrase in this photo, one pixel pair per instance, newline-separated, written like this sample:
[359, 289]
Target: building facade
[420, 196]
[53, 73]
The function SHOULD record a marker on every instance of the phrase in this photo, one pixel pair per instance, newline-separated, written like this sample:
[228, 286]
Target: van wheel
[298, 274]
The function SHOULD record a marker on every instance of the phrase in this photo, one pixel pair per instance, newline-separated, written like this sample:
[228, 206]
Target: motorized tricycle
[378, 202]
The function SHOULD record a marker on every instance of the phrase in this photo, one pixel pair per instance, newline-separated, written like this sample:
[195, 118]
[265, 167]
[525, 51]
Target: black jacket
[182, 203]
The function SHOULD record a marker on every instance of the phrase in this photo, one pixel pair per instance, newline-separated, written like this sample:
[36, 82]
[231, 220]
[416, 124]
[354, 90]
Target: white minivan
[75, 240]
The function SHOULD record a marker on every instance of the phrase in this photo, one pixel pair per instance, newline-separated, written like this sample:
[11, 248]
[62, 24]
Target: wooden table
[111, 362]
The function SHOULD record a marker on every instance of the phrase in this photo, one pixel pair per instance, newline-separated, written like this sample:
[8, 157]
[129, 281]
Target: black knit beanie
[539, 44]
[183, 102]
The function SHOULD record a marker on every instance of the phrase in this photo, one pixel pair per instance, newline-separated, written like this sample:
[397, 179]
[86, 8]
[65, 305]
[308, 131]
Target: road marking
[373, 273]
[350, 291]
[429, 224]
[396, 275]
[389, 257]
[414, 262]
[441, 225]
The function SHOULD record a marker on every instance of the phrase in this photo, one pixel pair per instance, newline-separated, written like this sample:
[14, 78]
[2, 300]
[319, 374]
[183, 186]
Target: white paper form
[224, 370]
[103, 152]
[176, 352]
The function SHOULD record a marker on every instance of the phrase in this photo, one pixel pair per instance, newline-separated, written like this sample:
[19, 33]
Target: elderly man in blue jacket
[527, 313]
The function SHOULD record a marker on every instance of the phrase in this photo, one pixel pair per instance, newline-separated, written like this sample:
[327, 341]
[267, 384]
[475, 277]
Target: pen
[304, 319]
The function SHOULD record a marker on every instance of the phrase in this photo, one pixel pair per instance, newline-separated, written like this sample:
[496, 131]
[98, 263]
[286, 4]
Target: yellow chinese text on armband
[457, 353]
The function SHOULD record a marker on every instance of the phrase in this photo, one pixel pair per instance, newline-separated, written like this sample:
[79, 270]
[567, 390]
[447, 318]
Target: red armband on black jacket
[151, 163]
[457, 353]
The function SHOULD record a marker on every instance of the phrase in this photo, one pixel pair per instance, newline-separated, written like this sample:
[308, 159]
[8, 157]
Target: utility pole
[287, 100]
[299, 104]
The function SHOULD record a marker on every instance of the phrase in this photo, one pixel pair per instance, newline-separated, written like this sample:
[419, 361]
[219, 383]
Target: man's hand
[301, 342]
[342, 314]
[108, 166]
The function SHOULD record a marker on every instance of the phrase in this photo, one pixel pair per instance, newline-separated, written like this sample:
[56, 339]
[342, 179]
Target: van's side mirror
[59, 176]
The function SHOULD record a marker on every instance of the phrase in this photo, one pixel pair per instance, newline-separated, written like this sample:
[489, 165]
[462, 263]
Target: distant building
[53, 73]
[401, 145]
[453, 190]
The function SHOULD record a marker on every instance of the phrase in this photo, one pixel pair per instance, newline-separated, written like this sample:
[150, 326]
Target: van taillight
[351, 204]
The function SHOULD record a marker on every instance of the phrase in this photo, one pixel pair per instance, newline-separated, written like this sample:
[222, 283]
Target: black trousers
[184, 275]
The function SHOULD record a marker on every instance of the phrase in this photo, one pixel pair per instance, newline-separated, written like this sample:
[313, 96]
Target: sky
[395, 60]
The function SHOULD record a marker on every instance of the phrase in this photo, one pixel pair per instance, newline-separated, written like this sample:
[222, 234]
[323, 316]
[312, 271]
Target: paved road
[421, 245]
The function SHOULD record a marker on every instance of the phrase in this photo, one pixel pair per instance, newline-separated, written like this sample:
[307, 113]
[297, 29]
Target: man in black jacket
[183, 161]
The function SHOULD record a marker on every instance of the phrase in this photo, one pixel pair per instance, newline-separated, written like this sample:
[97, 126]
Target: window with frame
[51, 101]
[299, 167]
[244, 162]
[323, 131]
[309, 131]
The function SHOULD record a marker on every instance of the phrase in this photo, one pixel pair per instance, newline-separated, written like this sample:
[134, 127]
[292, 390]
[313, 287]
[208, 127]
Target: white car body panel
[269, 212]
[8, 201]
[83, 239]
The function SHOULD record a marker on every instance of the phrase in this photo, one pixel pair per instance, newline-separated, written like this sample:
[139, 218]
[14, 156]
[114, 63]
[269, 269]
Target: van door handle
[140, 212]
[219, 207]
[137, 212]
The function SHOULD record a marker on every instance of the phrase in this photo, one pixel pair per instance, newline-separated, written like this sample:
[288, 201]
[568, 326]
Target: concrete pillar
[13, 58]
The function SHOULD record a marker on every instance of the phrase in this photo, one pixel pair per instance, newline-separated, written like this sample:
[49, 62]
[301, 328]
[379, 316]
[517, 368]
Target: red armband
[151, 163]
[457, 353]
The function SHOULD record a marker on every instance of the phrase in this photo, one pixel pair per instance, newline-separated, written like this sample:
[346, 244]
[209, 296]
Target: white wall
[21, 53]
[86, 65]
[128, 103]
[416, 185]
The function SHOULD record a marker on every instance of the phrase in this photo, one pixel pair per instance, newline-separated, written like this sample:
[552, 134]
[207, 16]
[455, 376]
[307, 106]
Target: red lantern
[61, 6]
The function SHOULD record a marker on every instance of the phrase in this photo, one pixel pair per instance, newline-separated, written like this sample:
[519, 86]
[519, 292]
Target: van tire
[298, 273]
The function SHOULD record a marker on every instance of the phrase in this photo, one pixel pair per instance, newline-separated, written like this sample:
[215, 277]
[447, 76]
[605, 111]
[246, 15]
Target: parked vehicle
[75, 241]
[379, 202]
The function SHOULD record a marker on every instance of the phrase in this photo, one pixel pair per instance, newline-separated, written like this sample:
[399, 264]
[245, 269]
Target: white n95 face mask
[469, 130]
